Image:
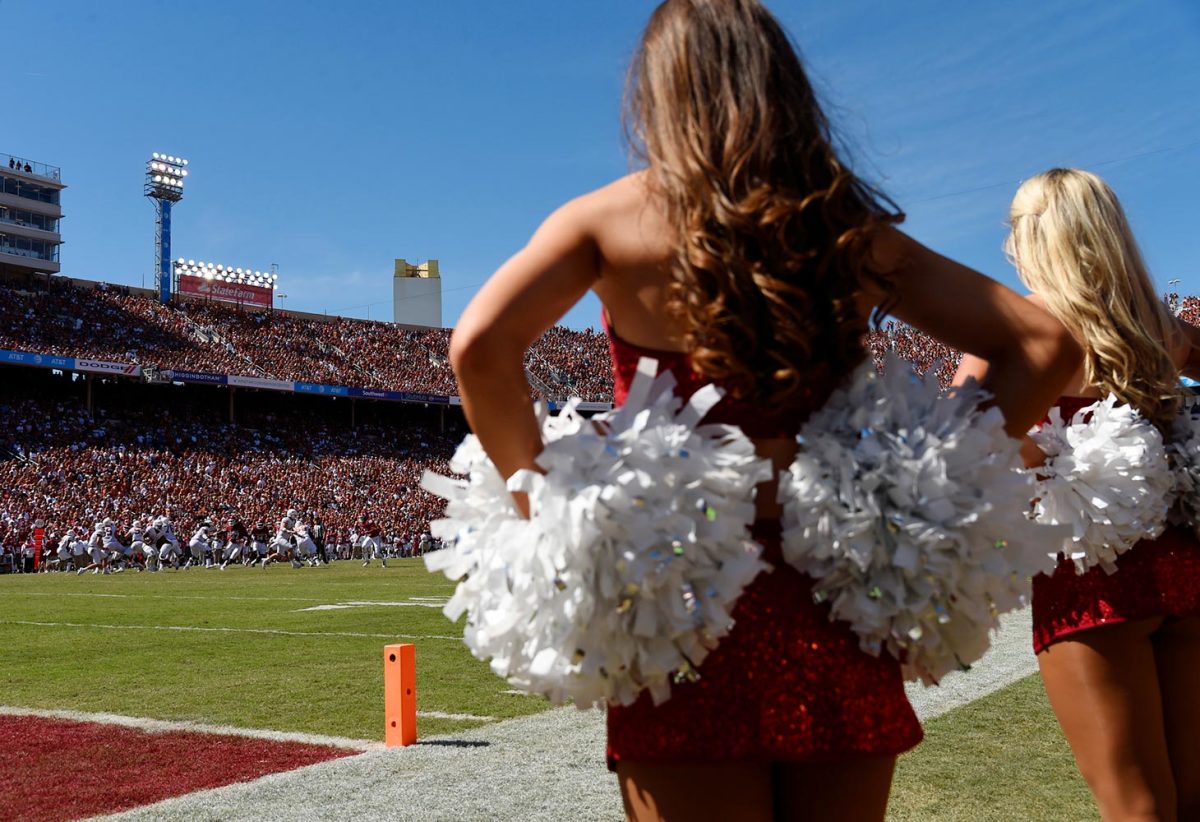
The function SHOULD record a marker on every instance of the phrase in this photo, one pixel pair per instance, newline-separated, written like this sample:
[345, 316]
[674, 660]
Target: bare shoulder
[628, 223]
[619, 196]
[596, 213]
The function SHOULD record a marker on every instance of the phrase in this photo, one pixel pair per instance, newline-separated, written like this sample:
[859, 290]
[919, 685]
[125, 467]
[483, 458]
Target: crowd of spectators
[575, 362]
[921, 351]
[105, 323]
[1188, 309]
[119, 324]
[70, 469]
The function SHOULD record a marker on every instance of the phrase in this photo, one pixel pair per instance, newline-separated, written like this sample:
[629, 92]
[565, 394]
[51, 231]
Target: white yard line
[159, 726]
[219, 630]
[57, 594]
[341, 606]
[459, 717]
[411, 602]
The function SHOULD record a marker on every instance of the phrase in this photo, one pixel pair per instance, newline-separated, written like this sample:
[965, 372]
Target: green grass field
[321, 681]
[101, 646]
[1000, 758]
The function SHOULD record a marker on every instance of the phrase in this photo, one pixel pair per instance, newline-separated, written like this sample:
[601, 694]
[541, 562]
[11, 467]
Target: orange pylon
[399, 695]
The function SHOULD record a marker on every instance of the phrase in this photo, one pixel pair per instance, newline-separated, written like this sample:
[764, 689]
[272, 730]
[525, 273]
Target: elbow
[476, 351]
[467, 351]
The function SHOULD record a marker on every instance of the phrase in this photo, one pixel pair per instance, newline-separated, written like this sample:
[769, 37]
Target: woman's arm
[527, 295]
[1028, 355]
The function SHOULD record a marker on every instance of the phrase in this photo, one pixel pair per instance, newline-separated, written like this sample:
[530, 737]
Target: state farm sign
[228, 292]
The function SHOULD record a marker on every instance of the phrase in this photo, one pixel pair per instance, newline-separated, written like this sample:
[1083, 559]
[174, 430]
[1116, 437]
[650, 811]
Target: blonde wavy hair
[1072, 245]
[773, 232]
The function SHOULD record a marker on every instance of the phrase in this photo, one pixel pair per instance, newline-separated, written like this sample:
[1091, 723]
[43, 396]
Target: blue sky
[331, 138]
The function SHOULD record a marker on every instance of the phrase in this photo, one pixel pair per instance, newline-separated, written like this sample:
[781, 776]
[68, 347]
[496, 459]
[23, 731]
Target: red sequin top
[787, 683]
[1155, 578]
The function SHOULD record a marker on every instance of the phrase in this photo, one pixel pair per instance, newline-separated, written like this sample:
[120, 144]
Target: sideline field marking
[459, 717]
[270, 631]
[438, 603]
[164, 726]
[316, 598]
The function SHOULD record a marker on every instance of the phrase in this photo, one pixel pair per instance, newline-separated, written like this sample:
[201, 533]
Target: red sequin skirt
[786, 684]
[1159, 577]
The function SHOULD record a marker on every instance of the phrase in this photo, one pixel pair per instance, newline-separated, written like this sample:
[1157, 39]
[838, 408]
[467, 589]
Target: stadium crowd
[141, 460]
[123, 325]
[915, 347]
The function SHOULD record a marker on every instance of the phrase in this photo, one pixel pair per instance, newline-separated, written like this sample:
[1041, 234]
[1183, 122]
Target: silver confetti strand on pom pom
[638, 546]
[1107, 477]
[909, 510]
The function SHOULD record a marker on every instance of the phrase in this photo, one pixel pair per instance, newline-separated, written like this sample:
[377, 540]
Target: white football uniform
[198, 543]
[137, 540]
[111, 543]
[165, 530]
[304, 542]
[284, 535]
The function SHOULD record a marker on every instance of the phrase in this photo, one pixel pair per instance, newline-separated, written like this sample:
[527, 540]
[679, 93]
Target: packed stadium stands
[154, 449]
[150, 448]
[127, 325]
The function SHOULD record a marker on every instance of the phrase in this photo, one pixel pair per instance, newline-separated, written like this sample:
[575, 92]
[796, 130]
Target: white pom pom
[1106, 476]
[635, 553]
[1183, 453]
[909, 510]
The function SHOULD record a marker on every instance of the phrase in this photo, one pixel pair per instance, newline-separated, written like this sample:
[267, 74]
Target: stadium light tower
[165, 174]
[226, 273]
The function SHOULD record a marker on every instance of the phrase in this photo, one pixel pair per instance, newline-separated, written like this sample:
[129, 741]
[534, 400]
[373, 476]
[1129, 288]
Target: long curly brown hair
[774, 232]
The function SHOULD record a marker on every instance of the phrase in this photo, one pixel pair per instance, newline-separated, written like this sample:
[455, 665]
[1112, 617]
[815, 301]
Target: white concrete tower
[417, 294]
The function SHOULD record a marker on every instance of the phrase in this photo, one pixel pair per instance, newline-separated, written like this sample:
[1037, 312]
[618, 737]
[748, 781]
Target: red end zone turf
[55, 769]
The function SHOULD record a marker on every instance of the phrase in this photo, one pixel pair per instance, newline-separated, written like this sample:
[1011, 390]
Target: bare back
[634, 244]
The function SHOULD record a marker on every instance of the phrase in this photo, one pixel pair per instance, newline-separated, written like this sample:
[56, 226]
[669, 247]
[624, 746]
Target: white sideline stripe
[1009, 659]
[459, 717]
[339, 606]
[164, 726]
[164, 596]
[271, 631]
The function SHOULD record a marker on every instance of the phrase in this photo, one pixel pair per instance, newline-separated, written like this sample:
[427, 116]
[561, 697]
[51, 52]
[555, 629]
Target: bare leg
[691, 792]
[852, 791]
[1177, 649]
[1103, 686]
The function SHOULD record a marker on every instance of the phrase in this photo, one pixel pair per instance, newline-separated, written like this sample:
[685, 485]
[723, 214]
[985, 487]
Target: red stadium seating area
[150, 449]
[116, 323]
[123, 325]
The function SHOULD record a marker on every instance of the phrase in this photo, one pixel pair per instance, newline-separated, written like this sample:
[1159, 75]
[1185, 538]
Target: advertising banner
[226, 292]
[38, 360]
[399, 396]
[102, 367]
[437, 399]
[260, 382]
[196, 376]
[455, 400]
[317, 388]
[594, 406]
[375, 394]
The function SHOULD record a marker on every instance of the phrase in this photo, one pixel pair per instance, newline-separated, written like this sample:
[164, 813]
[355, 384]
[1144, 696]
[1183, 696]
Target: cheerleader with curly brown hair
[745, 253]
